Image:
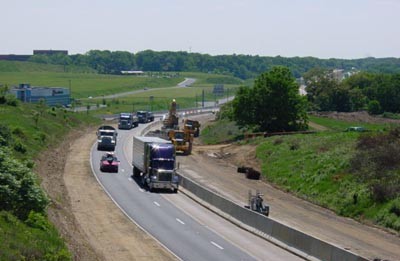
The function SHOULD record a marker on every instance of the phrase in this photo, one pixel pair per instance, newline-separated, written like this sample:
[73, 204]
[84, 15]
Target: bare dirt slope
[93, 226]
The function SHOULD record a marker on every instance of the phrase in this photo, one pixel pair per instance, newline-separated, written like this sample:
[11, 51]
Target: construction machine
[182, 140]
[192, 126]
[172, 120]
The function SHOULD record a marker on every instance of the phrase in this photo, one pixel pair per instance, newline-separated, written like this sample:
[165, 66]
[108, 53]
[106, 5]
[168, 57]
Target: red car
[109, 163]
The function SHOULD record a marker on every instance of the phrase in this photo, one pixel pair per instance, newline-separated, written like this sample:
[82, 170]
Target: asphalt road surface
[205, 237]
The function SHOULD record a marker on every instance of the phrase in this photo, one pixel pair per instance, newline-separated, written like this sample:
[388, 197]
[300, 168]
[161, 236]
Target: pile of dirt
[360, 116]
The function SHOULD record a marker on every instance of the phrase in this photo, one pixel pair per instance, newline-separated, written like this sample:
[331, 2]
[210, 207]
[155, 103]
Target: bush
[374, 107]
[19, 190]
[18, 132]
[5, 135]
[377, 163]
[12, 100]
[19, 147]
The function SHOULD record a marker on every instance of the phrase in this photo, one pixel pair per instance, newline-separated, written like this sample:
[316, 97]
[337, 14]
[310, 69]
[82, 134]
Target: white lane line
[122, 170]
[141, 190]
[130, 179]
[215, 244]
[156, 203]
[180, 221]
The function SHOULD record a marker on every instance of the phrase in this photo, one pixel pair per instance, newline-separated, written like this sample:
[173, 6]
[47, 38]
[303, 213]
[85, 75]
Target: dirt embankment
[92, 225]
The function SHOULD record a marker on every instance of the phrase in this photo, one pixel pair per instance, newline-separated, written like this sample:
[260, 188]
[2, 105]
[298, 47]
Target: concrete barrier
[291, 237]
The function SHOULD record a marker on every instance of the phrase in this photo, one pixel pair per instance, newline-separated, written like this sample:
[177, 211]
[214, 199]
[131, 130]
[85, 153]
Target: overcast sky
[319, 28]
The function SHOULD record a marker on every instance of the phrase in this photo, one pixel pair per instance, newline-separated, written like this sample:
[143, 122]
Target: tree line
[242, 66]
[375, 92]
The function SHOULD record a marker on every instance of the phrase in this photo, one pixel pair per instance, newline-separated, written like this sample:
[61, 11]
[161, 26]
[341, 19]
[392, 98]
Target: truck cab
[127, 121]
[106, 138]
[145, 116]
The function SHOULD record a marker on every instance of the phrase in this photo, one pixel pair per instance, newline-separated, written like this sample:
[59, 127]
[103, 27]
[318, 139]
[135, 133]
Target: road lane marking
[156, 203]
[122, 170]
[141, 190]
[130, 179]
[180, 221]
[215, 244]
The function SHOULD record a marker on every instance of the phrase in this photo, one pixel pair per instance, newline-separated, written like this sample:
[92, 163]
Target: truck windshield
[163, 164]
[106, 133]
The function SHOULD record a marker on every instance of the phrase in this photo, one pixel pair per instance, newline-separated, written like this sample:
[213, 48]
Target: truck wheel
[175, 190]
[136, 172]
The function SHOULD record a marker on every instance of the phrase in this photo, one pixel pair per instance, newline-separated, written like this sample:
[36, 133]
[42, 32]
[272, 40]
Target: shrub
[19, 191]
[19, 147]
[18, 132]
[11, 100]
[374, 107]
[377, 163]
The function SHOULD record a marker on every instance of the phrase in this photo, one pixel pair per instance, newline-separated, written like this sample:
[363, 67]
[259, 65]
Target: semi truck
[145, 116]
[127, 120]
[106, 138]
[153, 161]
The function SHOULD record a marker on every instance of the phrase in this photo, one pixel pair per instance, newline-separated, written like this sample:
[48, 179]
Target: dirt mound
[360, 116]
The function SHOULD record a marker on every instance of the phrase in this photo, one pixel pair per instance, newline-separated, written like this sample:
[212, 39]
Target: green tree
[272, 104]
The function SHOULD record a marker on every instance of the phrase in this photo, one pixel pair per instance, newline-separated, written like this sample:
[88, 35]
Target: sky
[320, 28]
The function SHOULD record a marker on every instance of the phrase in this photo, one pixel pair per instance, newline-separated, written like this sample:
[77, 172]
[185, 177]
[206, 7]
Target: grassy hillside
[25, 131]
[317, 167]
[85, 85]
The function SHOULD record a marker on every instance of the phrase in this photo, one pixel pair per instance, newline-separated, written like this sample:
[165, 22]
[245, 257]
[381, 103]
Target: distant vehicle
[109, 163]
[127, 121]
[145, 116]
[356, 128]
[106, 138]
[153, 161]
[192, 126]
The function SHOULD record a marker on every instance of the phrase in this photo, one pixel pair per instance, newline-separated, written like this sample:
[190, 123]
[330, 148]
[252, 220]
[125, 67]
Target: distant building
[51, 95]
[50, 52]
[25, 57]
[15, 57]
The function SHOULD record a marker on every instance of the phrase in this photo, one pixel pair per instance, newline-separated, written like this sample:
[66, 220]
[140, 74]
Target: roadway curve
[168, 217]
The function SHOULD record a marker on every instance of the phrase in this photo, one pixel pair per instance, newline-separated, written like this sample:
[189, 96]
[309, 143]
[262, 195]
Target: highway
[204, 237]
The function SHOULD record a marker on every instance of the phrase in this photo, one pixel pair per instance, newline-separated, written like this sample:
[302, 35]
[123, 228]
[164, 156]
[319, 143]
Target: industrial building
[52, 96]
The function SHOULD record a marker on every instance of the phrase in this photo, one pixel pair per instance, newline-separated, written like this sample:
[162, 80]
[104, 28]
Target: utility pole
[202, 99]
[70, 94]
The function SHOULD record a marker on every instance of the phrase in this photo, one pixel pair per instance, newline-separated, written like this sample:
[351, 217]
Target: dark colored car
[109, 163]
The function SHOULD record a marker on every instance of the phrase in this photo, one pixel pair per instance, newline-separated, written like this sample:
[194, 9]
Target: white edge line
[215, 244]
[123, 211]
[156, 203]
[180, 221]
